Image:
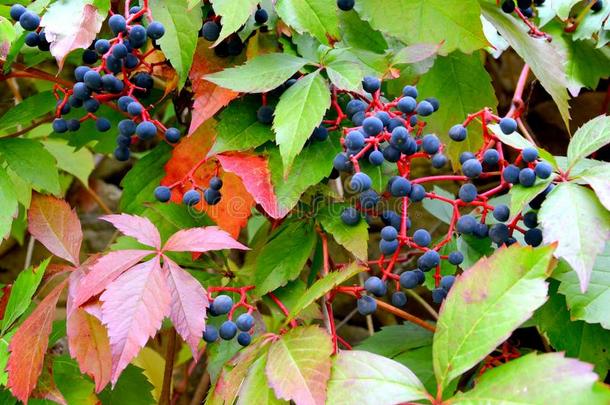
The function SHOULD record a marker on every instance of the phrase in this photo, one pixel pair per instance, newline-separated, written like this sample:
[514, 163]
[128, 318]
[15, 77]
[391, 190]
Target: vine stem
[405, 315]
[170, 354]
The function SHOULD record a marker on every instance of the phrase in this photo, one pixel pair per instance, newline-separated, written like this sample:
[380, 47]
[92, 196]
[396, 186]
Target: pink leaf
[133, 307]
[104, 271]
[70, 26]
[201, 240]
[254, 172]
[188, 306]
[54, 224]
[29, 345]
[137, 227]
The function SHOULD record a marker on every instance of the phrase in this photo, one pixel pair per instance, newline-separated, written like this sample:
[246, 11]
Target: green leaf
[323, 286]
[23, 290]
[343, 70]
[8, 204]
[238, 128]
[5, 340]
[310, 166]
[544, 58]
[234, 14]
[372, 379]
[300, 110]
[592, 306]
[296, 240]
[592, 23]
[359, 34]
[534, 379]
[572, 216]
[590, 137]
[462, 85]
[507, 286]
[392, 341]
[255, 389]
[259, 75]
[317, 17]
[78, 163]
[586, 63]
[440, 209]
[353, 238]
[140, 182]
[132, 388]
[458, 24]
[520, 195]
[29, 160]
[598, 178]
[473, 249]
[181, 33]
[577, 339]
[29, 109]
[74, 386]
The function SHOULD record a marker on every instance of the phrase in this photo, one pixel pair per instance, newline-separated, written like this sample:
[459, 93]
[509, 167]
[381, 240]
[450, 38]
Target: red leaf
[69, 32]
[209, 98]
[133, 307]
[105, 271]
[56, 226]
[188, 305]
[254, 172]
[29, 344]
[201, 240]
[137, 227]
[234, 209]
[87, 339]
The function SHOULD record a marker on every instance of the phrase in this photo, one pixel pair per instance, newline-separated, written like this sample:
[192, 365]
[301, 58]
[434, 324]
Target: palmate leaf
[487, 302]
[590, 137]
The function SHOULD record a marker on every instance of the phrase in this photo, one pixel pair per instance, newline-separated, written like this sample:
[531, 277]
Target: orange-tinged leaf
[234, 209]
[54, 224]
[29, 344]
[209, 98]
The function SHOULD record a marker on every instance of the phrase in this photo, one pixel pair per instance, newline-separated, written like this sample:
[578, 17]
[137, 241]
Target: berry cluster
[211, 195]
[394, 132]
[122, 76]
[524, 6]
[222, 305]
[233, 44]
[30, 21]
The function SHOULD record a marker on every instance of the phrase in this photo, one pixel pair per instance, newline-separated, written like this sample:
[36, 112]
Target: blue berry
[391, 154]
[211, 196]
[79, 72]
[530, 219]
[438, 295]
[261, 16]
[89, 55]
[93, 80]
[163, 194]
[430, 144]
[372, 126]
[527, 177]
[117, 23]
[434, 102]
[366, 305]
[122, 154]
[499, 233]
[391, 218]
[320, 133]
[501, 213]
[123, 141]
[388, 247]
[245, 322]
[409, 91]
[111, 84]
[65, 109]
[102, 124]
[114, 64]
[369, 199]
[146, 130]
[191, 197]
[144, 80]
[376, 158]
[210, 335]
[481, 230]
[119, 51]
[389, 233]
[536, 203]
[418, 193]
[124, 101]
[413, 120]
[439, 161]
[210, 31]
[155, 30]
[127, 127]
[342, 163]
[458, 133]
[91, 105]
[399, 136]
[227, 330]
[491, 157]
[371, 84]
[407, 104]
[410, 279]
[533, 237]
[17, 11]
[511, 174]
[135, 108]
[354, 106]
[424, 108]
[465, 156]
[447, 282]
[508, 125]
[60, 125]
[399, 299]
[358, 118]
[102, 46]
[73, 125]
[375, 286]
[422, 237]
[400, 187]
[395, 123]
[384, 117]
[466, 224]
[456, 258]
[222, 304]
[345, 5]
[350, 216]
[543, 170]
[428, 260]
[172, 135]
[244, 338]
[354, 140]
[472, 168]
[29, 20]
[32, 39]
[215, 183]
[468, 192]
[529, 154]
[81, 91]
[360, 182]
